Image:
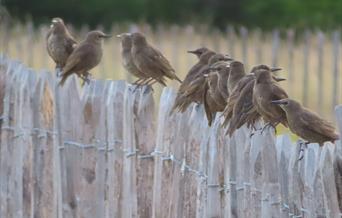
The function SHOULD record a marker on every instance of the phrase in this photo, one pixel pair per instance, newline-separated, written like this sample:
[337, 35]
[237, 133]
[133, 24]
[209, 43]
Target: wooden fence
[102, 151]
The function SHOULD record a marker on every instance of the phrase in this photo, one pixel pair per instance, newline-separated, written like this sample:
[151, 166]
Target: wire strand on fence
[129, 153]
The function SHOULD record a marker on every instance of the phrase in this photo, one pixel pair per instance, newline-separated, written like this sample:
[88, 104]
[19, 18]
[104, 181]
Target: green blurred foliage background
[267, 14]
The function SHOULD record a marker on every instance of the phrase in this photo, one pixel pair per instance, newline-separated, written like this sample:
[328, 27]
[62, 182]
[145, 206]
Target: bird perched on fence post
[265, 91]
[181, 101]
[216, 91]
[127, 59]
[307, 124]
[240, 108]
[86, 56]
[59, 43]
[150, 60]
[198, 52]
[237, 71]
[195, 90]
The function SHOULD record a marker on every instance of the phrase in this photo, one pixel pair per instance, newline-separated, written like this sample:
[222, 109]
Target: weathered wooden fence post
[91, 152]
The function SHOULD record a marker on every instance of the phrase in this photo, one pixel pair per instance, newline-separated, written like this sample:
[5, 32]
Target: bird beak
[227, 58]
[206, 75]
[123, 34]
[192, 52]
[279, 102]
[278, 79]
[274, 69]
[54, 21]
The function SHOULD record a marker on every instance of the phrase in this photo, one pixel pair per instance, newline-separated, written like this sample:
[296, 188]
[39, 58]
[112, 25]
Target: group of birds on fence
[217, 81]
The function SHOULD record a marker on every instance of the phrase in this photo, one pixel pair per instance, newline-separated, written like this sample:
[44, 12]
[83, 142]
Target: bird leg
[269, 125]
[58, 71]
[146, 81]
[303, 145]
[138, 85]
[85, 77]
[137, 82]
[152, 82]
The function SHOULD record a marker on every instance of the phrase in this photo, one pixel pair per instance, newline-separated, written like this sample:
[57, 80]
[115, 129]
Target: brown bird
[305, 123]
[236, 76]
[241, 109]
[195, 90]
[198, 52]
[216, 91]
[86, 56]
[222, 69]
[265, 91]
[237, 71]
[151, 61]
[127, 59]
[181, 101]
[59, 43]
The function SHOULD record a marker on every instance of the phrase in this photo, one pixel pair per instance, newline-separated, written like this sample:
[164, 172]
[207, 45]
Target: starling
[86, 56]
[236, 76]
[59, 43]
[237, 71]
[195, 70]
[151, 61]
[265, 91]
[240, 108]
[223, 70]
[181, 101]
[127, 60]
[215, 91]
[198, 52]
[196, 87]
[307, 124]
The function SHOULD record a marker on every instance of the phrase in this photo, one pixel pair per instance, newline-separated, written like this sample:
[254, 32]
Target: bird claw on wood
[86, 80]
[58, 72]
[268, 125]
[303, 146]
[136, 87]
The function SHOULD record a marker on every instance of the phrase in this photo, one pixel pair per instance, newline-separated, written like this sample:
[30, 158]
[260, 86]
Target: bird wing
[206, 104]
[243, 107]
[243, 82]
[47, 41]
[232, 99]
[278, 92]
[195, 87]
[315, 123]
[70, 44]
[72, 61]
[157, 56]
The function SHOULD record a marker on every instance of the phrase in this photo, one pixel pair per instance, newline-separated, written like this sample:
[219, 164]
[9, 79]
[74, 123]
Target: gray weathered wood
[244, 38]
[162, 169]
[328, 182]
[305, 79]
[320, 69]
[144, 131]
[336, 69]
[275, 47]
[90, 151]
[129, 192]
[290, 55]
